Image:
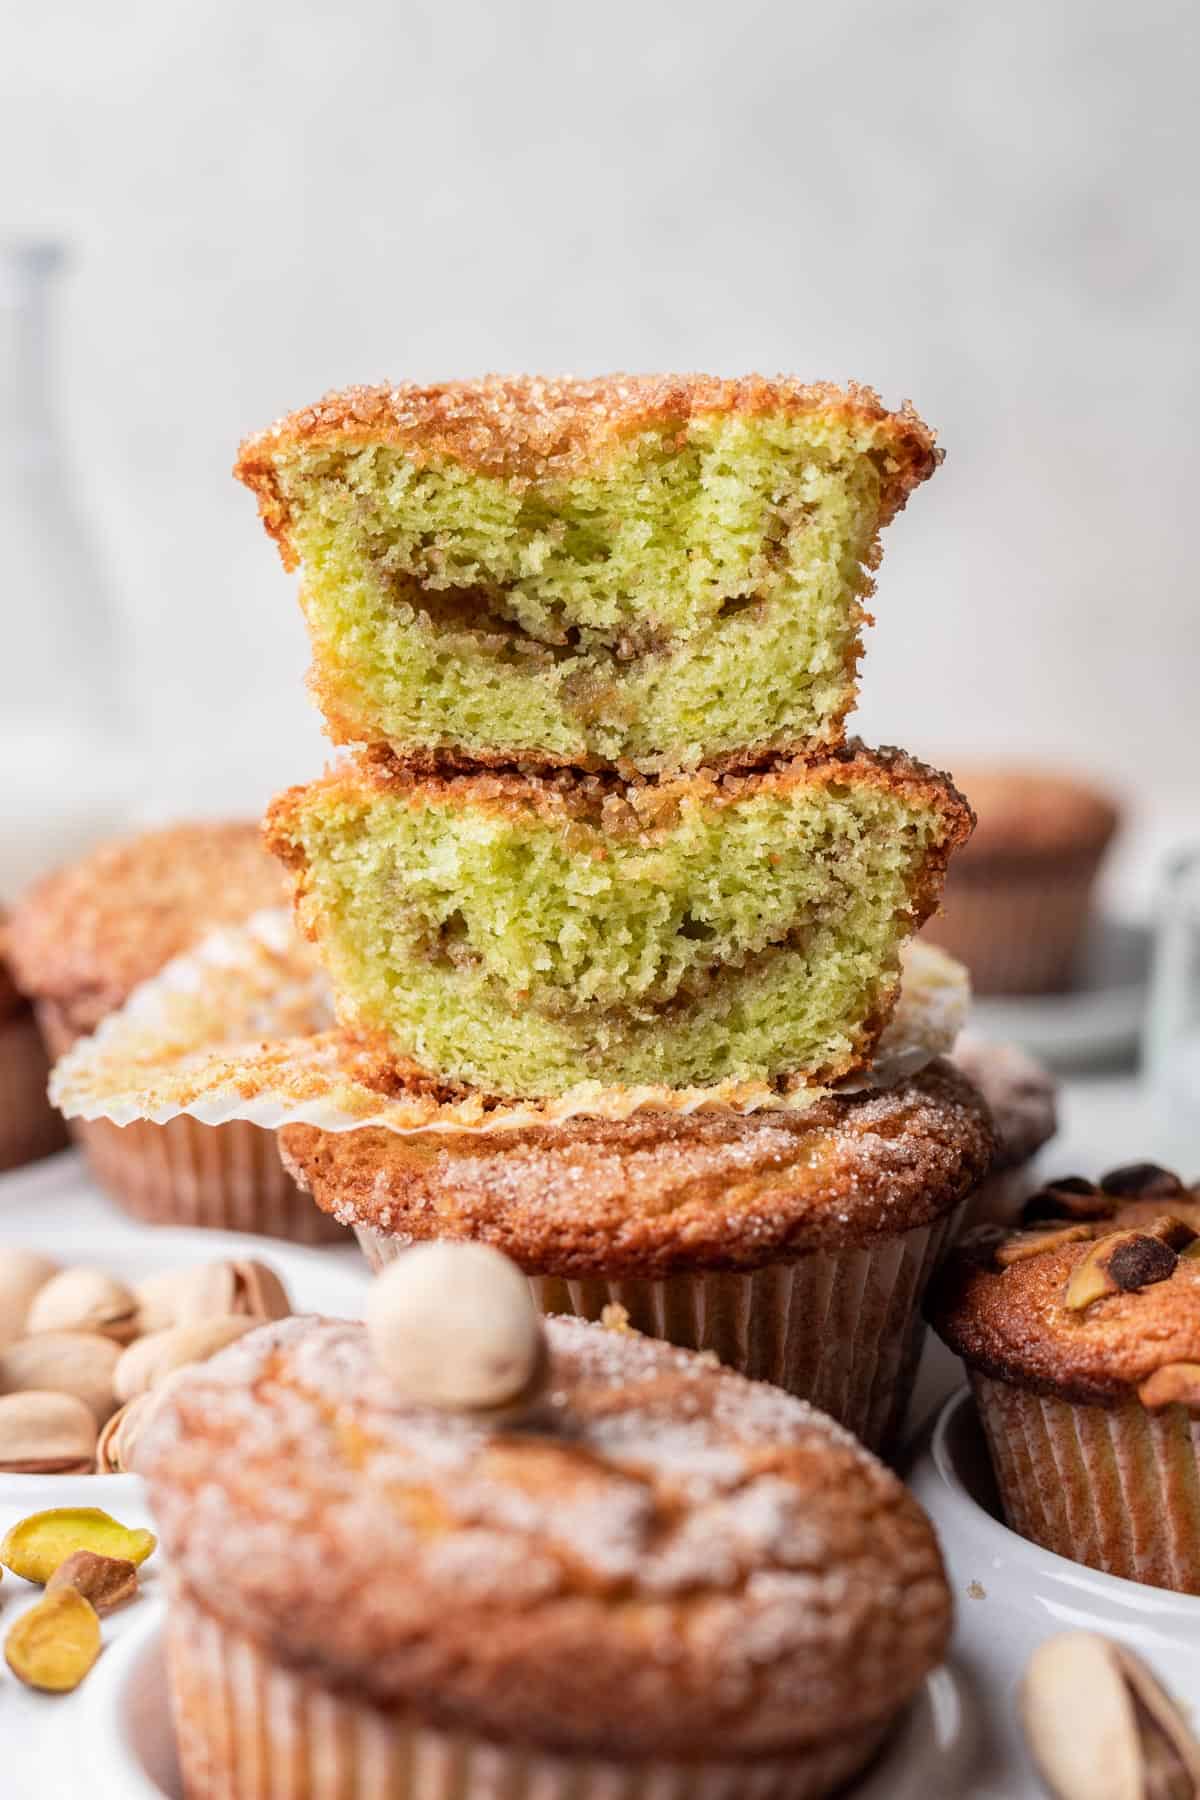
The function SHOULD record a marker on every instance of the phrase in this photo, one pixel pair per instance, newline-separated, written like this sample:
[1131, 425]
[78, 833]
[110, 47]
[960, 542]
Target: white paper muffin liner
[840, 1328]
[1117, 1488]
[240, 1028]
[251, 1729]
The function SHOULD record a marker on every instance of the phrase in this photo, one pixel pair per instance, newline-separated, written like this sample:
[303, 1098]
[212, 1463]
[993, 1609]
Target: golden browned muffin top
[665, 1559]
[88, 934]
[1094, 1298]
[1028, 811]
[645, 1195]
[1021, 1096]
[533, 427]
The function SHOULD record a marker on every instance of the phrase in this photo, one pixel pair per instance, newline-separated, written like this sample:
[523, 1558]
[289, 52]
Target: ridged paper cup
[220, 1177]
[1117, 1488]
[249, 1728]
[29, 1126]
[840, 1328]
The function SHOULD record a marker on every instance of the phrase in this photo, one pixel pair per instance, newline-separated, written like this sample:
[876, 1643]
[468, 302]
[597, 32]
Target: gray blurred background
[989, 210]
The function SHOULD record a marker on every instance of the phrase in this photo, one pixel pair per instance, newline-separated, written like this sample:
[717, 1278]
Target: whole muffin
[83, 939]
[1022, 1098]
[1018, 897]
[29, 1126]
[657, 1578]
[1081, 1336]
[796, 1245]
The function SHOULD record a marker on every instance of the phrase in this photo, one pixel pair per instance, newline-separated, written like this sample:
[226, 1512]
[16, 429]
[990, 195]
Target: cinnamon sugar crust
[1014, 1324]
[666, 1559]
[657, 1193]
[86, 936]
[526, 427]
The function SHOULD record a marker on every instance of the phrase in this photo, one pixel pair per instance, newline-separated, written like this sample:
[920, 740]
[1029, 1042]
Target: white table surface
[1104, 1121]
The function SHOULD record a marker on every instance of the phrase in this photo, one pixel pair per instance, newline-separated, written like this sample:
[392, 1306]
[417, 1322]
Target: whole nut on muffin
[721, 1231]
[668, 1575]
[1080, 1330]
[455, 1325]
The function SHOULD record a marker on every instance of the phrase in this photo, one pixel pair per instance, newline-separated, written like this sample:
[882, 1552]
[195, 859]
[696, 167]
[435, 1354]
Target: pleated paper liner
[1117, 1488]
[221, 1177]
[233, 1030]
[1018, 923]
[29, 1126]
[840, 1328]
[250, 1728]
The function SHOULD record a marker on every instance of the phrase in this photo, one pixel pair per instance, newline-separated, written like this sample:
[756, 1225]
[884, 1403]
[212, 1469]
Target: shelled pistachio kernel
[455, 1326]
[46, 1433]
[54, 1642]
[1139, 1742]
[1123, 1262]
[84, 1300]
[106, 1582]
[1036, 1241]
[35, 1547]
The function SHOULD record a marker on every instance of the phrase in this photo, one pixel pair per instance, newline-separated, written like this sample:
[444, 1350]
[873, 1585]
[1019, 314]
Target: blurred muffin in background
[1018, 896]
[81, 940]
[29, 1126]
[1022, 1098]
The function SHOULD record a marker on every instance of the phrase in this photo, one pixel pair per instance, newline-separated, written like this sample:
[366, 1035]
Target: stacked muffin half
[594, 644]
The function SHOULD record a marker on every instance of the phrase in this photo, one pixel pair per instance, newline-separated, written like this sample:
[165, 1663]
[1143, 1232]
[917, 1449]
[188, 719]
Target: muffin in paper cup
[1018, 897]
[795, 1245]
[1022, 1098]
[30, 1128]
[1081, 1335]
[83, 940]
[650, 1580]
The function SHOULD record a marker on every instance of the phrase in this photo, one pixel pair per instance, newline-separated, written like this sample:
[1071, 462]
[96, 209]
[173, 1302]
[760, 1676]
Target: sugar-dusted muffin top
[663, 1558]
[646, 1195]
[1095, 1297]
[85, 936]
[1021, 1096]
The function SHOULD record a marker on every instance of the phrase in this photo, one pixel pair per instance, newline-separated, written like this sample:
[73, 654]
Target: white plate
[1011, 1594]
[131, 1743]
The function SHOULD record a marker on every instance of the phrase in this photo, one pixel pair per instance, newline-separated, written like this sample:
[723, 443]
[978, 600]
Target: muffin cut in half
[521, 935]
[795, 1245]
[1081, 1336]
[656, 570]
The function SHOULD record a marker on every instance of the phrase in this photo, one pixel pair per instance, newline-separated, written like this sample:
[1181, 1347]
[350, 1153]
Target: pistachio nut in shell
[116, 1447]
[222, 1289]
[54, 1642]
[147, 1360]
[454, 1325]
[84, 1300]
[35, 1547]
[44, 1433]
[66, 1362]
[22, 1274]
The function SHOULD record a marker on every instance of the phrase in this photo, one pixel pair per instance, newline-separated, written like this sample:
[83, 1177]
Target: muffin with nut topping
[537, 1559]
[29, 1126]
[1080, 1330]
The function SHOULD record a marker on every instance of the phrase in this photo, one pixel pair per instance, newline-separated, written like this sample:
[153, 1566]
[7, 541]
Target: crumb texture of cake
[668, 1561]
[660, 571]
[656, 1194]
[521, 935]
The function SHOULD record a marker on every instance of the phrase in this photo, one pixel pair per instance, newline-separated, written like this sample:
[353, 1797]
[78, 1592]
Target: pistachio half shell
[144, 1364]
[44, 1433]
[85, 1300]
[64, 1362]
[1101, 1726]
[212, 1290]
